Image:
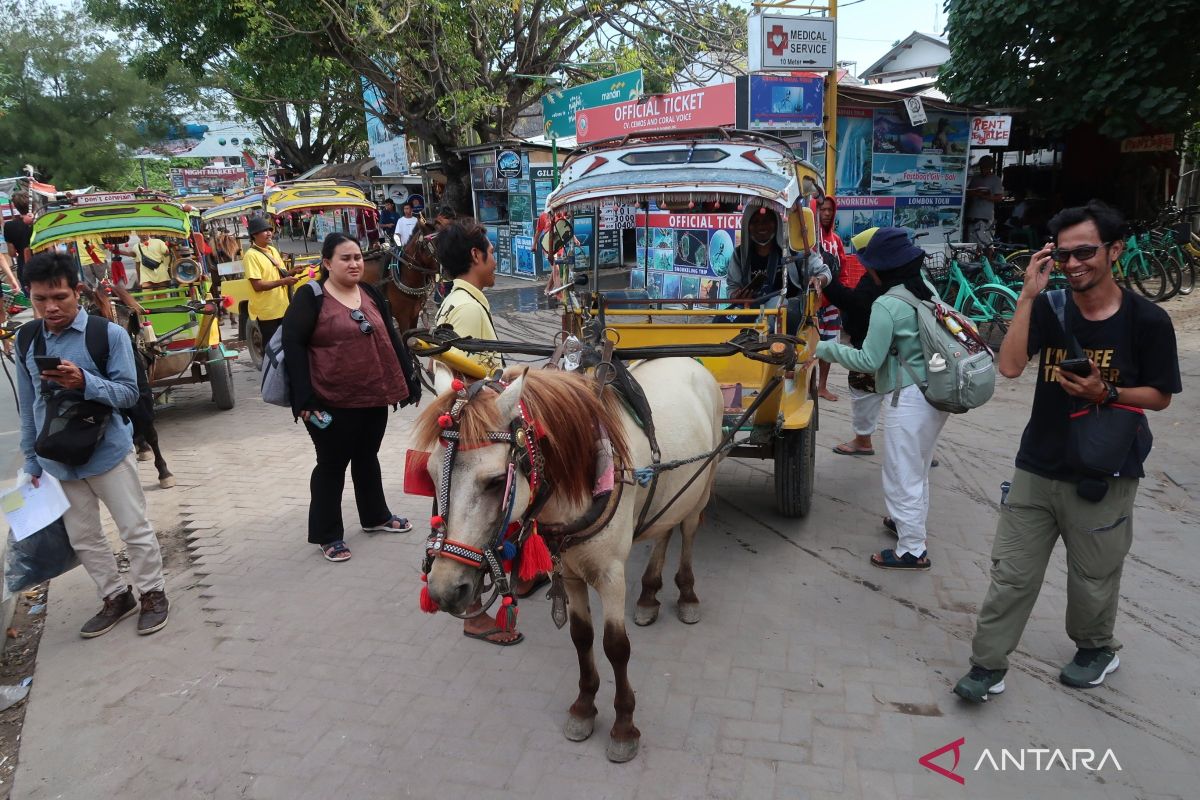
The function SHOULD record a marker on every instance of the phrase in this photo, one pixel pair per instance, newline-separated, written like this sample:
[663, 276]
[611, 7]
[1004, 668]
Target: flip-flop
[538, 582]
[847, 452]
[483, 636]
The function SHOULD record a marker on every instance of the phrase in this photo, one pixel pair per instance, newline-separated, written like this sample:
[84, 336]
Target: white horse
[564, 408]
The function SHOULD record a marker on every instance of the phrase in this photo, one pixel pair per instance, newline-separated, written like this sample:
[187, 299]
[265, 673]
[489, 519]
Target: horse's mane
[566, 407]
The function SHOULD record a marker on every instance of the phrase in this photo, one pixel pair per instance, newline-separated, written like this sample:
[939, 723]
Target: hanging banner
[1148, 144]
[990, 131]
[560, 107]
[787, 102]
[388, 148]
[707, 107]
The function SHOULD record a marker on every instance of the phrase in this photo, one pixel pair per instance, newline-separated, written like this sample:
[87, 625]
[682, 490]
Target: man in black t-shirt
[17, 233]
[1130, 344]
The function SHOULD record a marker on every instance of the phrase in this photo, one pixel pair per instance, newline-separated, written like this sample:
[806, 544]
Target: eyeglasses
[357, 315]
[1081, 254]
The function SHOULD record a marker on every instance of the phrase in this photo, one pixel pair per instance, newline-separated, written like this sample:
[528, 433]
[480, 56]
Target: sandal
[335, 551]
[887, 559]
[486, 636]
[393, 525]
[845, 449]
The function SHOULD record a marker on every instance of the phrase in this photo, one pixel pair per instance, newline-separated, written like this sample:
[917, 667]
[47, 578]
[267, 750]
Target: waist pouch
[1101, 438]
[72, 429]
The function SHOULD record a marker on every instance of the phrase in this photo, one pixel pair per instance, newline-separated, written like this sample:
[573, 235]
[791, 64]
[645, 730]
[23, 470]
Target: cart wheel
[220, 375]
[795, 468]
[254, 343]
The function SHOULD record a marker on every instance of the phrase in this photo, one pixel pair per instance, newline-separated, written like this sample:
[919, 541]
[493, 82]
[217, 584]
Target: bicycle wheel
[1147, 276]
[1188, 273]
[991, 309]
[1173, 270]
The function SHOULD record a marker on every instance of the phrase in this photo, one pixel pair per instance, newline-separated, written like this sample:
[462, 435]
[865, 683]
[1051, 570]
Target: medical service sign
[791, 43]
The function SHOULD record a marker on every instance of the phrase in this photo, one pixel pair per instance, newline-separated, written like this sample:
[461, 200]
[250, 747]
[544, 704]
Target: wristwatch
[1111, 395]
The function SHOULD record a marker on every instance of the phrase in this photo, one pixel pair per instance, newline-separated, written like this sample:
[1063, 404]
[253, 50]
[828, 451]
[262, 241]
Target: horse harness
[429, 276]
[511, 539]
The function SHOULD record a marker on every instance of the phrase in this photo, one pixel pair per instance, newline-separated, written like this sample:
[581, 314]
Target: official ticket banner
[707, 107]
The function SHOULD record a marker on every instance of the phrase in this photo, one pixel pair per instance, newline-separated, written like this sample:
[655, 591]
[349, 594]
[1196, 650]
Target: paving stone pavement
[812, 675]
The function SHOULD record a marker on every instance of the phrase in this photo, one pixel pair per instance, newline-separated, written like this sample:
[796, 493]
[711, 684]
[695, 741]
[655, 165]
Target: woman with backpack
[892, 352]
[345, 364]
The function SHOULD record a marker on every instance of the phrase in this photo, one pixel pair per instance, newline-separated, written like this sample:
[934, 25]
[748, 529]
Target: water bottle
[572, 352]
[937, 363]
[148, 335]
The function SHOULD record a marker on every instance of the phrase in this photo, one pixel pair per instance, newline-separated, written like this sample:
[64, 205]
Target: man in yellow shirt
[467, 256]
[153, 262]
[268, 277]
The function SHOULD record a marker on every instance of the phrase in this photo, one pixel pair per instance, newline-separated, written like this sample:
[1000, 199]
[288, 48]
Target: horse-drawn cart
[174, 328]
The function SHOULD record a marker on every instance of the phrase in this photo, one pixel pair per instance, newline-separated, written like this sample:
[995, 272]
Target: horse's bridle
[506, 542]
[430, 276]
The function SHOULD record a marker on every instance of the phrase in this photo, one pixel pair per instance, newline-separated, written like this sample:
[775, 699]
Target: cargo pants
[1097, 536]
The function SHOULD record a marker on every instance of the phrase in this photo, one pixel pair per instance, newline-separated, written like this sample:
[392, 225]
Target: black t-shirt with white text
[1133, 347]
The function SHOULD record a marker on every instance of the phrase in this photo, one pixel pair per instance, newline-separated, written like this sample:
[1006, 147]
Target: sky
[868, 28]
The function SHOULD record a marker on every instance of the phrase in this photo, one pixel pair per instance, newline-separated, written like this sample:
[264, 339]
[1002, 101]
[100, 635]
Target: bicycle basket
[937, 270]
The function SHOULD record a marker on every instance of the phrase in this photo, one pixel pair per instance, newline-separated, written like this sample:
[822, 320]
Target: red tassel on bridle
[535, 556]
[427, 604]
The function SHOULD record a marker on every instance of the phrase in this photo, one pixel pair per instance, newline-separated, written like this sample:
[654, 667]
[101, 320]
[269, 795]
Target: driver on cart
[758, 267]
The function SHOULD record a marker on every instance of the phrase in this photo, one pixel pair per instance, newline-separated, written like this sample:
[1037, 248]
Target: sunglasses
[1081, 254]
[357, 315]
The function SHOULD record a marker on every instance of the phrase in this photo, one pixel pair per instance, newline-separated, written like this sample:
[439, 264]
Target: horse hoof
[145, 455]
[578, 728]
[645, 615]
[620, 751]
[167, 482]
[689, 613]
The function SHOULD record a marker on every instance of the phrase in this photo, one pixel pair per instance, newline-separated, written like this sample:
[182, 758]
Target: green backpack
[960, 368]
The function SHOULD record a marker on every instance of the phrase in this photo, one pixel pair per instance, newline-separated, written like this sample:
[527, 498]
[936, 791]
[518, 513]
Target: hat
[860, 240]
[258, 224]
[888, 249]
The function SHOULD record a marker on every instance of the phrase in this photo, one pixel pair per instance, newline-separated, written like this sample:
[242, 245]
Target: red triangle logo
[927, 760]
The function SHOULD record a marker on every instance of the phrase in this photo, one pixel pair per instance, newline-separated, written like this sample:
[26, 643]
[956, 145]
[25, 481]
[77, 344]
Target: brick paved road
[812, 675]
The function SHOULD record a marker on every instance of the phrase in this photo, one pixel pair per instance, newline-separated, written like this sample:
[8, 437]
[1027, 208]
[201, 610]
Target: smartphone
[47, 363]
[1076, 366]
[320, 419]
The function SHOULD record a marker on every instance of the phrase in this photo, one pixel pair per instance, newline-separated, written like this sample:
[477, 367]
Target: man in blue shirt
[111, 473]
[388, 218]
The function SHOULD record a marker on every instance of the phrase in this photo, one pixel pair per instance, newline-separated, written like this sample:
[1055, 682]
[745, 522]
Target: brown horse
[410, 280]
[141, 414]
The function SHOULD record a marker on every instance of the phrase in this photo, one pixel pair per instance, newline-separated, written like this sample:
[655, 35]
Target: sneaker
[1089, 667]
[978, 684]
[154, 612]
[117, 606]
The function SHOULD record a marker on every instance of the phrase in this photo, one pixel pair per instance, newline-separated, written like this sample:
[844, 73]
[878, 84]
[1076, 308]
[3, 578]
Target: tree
[72, 104]
[298, 102]
[449, 71]
[1126, 66]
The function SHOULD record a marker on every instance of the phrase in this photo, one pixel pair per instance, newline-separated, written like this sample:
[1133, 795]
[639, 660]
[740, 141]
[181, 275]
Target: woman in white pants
[911, 426]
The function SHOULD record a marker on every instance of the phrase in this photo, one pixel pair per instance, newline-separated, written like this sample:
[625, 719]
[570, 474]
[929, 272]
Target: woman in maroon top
[346, 365]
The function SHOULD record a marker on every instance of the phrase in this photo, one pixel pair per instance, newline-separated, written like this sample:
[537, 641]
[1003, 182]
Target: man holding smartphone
[63, 360]
[1131, 360]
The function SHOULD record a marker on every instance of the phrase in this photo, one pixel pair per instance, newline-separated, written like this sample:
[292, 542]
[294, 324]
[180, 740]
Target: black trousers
[267, 328]
[352, 438]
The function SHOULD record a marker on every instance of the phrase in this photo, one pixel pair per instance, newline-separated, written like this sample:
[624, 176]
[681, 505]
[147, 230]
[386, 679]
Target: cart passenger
[154, 262]
[757, 267]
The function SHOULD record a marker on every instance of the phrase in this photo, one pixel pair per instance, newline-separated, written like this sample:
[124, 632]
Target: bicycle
[987, 303]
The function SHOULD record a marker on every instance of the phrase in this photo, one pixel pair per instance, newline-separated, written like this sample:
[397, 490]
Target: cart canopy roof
[685, 169]
[239, 206]
[289, 198]
[154, 216]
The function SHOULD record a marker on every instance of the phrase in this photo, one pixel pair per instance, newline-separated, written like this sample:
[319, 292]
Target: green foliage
[72, 103]
[158, 172]
[1125, 66]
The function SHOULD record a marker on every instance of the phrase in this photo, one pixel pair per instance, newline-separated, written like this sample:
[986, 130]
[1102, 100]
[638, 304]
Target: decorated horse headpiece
[514, 541]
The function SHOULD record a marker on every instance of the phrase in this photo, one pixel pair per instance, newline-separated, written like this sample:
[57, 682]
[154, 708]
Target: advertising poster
[895, 173]
[856, 214]
[854, 137]
[388, 148]
[542, 179]
[612, 218]
[560, 106]
[504, 255]
[483, 173]
[793, 101]
[676, 248]
[707, 107]
[522, 247]
[585, 241]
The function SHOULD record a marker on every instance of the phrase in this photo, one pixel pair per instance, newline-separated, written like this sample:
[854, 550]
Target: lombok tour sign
[707, 107]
